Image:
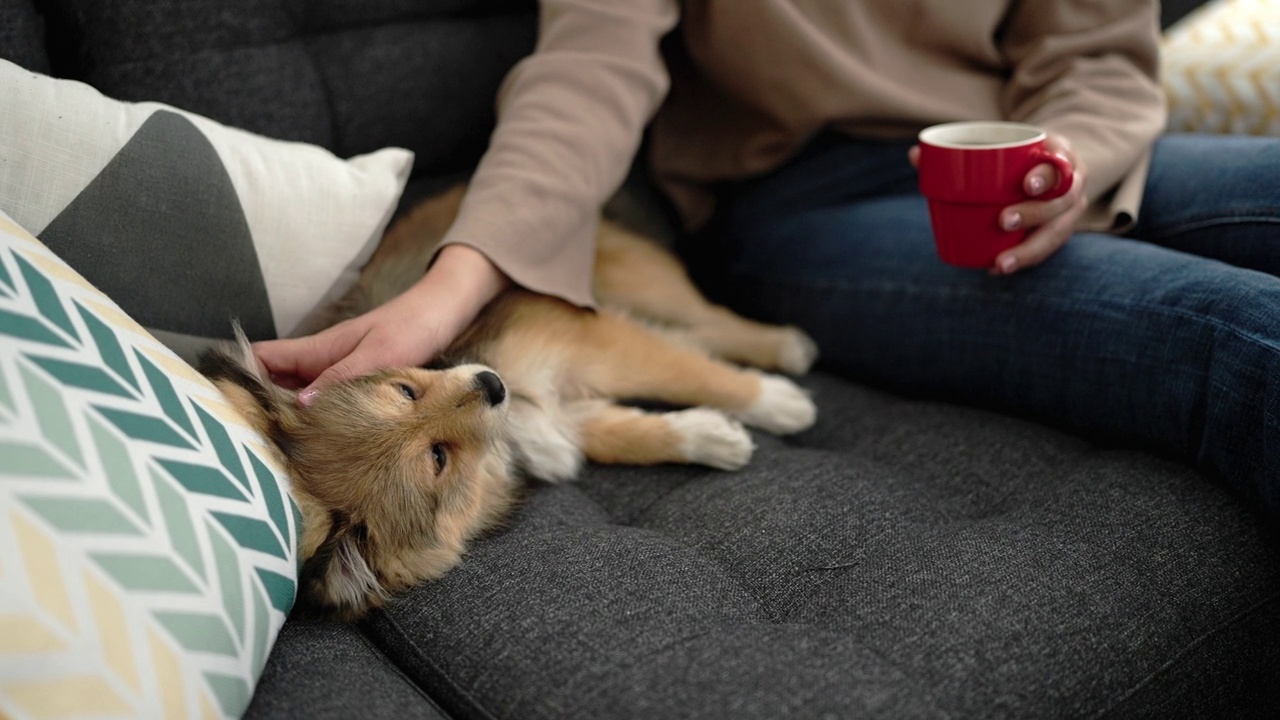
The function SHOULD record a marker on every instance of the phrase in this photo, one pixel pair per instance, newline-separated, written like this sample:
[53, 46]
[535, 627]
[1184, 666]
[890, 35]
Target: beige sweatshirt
[750, 81]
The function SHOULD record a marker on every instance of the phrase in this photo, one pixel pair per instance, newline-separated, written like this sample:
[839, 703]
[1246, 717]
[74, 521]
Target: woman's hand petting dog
[396, 470]
[407, 331]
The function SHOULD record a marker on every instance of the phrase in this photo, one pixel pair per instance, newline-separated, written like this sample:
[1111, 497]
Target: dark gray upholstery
[329, 671]
[352, 76]
[22, 35]
[903, 559]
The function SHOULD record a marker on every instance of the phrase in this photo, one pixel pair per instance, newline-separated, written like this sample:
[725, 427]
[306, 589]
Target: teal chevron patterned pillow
[147, 538]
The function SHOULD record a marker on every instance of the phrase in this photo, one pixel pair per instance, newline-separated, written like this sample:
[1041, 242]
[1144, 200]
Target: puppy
[397, 471]
[393, 472]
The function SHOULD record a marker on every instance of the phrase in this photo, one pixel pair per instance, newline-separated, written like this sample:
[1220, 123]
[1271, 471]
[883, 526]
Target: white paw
[547, 444]
[797, 352]
[711, 438]
[782, 408]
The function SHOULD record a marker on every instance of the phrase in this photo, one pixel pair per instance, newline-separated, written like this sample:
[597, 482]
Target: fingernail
[308, 396]
[1037, 185]
[1008, 264]
[1012, 221]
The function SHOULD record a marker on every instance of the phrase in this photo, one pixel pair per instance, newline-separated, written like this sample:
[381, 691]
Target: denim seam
[1039, 299]
[1184, 652]
[1201, 224]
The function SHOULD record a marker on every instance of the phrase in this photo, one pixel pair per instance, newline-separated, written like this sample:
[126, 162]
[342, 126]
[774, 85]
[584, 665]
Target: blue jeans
[1168, 336]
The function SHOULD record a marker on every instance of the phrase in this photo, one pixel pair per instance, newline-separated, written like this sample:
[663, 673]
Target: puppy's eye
[408, 392]
[439, 455]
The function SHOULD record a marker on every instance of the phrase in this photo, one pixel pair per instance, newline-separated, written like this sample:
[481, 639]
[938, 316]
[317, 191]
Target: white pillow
[181, 220]
[1221, 68]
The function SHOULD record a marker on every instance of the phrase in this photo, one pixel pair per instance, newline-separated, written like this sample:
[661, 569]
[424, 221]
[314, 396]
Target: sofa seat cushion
[321, 670]
[901, 559]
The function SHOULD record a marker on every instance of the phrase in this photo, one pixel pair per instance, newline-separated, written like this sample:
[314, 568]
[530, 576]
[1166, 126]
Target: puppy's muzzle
[491, 385]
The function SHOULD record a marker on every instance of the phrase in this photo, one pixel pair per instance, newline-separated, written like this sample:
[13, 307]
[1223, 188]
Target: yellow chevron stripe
[67, 697]
[168, 676]
[1269, 103]
[1235, 105]
[113, 631]
[44, 571]
[113, 317]
[55, 268]
[11, 227]
[24, 634]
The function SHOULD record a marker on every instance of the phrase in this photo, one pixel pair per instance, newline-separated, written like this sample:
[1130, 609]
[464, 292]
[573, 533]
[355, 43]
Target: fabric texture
[902, 559]
[22, 35]
[148, 547]
[188, 222]
[351, 77]
[1221, 69]
[327, 670]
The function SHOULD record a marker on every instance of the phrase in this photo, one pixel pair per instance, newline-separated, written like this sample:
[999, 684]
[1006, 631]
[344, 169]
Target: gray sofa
[906, 558]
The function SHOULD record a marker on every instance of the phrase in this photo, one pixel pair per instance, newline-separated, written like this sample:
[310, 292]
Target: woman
[782, 130]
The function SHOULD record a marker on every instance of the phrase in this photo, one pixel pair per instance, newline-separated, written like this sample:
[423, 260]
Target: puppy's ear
[235, 371]
[338, 578]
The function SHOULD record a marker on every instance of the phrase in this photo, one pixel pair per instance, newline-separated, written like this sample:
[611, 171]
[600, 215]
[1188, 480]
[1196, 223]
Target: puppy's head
[394, 473]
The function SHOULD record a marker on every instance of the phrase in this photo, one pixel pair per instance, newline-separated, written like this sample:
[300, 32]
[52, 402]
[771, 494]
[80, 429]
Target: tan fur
[379, 516]
[378, 519]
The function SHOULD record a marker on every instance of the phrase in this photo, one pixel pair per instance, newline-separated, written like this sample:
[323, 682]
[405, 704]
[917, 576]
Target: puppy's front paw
[782, 408]
[711, 438]
[797, 351]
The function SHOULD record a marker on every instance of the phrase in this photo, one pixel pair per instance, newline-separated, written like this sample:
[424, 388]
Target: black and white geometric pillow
[182, 221]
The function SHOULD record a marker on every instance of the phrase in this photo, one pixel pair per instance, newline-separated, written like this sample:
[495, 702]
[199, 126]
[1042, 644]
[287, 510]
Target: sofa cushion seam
[395, 668]
[436, 670]
[1182, 654]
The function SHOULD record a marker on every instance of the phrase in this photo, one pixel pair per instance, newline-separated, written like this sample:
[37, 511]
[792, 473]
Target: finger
[335, 374]
[285, 357]
[367, 356]
[914, 156]
[1038, 246]
[288, 382]
[1059, 144]
[307, 357]
[1041, 178]
[1035, 213]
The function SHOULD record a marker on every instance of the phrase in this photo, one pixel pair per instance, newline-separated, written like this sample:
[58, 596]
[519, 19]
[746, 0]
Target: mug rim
[928, 136]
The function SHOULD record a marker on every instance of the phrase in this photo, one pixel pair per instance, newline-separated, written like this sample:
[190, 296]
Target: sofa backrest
[349, 75]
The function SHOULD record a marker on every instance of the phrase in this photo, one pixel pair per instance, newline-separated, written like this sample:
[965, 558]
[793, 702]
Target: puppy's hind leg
[622, 359]
[639, 276]
[613, 434]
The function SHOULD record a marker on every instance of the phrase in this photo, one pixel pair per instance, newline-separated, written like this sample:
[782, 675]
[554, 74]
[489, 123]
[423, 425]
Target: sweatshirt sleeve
[570, 120]
[1087, 70]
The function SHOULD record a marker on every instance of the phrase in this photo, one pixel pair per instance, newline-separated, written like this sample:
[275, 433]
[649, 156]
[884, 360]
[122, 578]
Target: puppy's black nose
[489, 382]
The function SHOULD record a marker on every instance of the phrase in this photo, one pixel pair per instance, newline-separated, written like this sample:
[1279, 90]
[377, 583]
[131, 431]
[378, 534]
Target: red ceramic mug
[969, 173]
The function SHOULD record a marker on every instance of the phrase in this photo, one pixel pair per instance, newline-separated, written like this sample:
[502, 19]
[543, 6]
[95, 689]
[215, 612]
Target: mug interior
[987, 135]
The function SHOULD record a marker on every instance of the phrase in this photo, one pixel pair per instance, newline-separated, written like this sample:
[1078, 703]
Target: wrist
[466, 271]
[453, 291]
